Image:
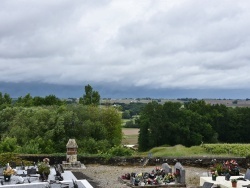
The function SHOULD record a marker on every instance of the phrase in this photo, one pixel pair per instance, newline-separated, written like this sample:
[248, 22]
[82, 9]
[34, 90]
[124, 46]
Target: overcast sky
[153, 44]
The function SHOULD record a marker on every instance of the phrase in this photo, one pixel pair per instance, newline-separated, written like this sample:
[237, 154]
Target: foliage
[230, 149]
[181, 151]
[46, 129]
[120, 151]
[133, 108]
[43, 167]
[233, 180]
[177, 151]
[126, 114]
[92, 146]
[91, 97]
[192, 124]
[11, 157]
[8, 144]
[131, 124]
[5, 100]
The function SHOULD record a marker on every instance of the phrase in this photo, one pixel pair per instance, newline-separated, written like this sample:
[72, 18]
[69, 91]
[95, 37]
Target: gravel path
[101, 176]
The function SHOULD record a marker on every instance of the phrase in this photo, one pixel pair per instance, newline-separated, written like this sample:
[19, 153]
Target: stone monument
[71, 155]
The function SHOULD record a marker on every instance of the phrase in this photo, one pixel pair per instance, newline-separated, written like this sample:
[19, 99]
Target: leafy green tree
[111, 119]
[90, 97]
[52, 100]
[8, 145]
[148, 129]
[5, 100]
[38, 101]
[126, 114]
[26, 101]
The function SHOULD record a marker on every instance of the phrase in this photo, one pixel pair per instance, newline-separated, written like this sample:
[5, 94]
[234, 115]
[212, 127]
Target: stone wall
[137, 161]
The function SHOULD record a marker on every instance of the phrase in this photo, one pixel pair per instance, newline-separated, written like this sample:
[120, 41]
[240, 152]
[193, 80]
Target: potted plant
[214, 175]
[44, 170]
[234, 182]
[7, 173]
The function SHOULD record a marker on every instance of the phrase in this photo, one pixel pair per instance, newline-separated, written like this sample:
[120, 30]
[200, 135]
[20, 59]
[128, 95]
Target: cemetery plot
[163, 176]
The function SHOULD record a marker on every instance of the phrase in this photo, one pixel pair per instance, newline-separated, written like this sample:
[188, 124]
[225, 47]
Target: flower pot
[6, 178]
[214, 178]
[234, 184]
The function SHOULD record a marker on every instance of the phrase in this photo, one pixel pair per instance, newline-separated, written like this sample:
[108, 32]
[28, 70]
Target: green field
[205, 150]
[130, 137]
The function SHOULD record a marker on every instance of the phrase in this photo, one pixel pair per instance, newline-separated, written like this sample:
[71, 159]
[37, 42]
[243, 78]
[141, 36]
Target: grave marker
[180, 171]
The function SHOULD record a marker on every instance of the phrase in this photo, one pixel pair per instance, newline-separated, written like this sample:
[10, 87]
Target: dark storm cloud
[154, 44]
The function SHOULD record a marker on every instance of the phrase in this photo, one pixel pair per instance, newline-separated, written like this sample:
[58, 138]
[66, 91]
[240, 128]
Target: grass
[124, 121]
[179, 151]
[130, 137]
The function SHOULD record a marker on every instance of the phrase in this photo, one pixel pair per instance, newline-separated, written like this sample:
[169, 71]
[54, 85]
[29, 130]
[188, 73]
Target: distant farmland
[130, 136]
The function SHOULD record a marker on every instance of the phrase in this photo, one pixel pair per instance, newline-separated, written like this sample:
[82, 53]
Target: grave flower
[8, 172]
[169, 177]
[46, 160]
[214, 173]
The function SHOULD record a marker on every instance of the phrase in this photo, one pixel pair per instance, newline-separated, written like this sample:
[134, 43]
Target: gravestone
[31, 171]
[1, 171]
[178, 169]
[247, 175]
[166, 168]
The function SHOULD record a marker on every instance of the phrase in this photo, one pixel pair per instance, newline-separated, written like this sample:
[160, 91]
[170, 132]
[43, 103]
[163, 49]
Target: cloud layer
[184, 44]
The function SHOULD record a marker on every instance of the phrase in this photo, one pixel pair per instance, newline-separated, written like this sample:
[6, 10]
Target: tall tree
[5, 100]
[91, 97]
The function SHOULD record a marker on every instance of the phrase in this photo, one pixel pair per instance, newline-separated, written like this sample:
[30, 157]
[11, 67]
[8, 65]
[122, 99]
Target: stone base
[72, 165]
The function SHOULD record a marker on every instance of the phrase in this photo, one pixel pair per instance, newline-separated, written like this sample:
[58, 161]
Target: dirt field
[130, 131]
[130, 136]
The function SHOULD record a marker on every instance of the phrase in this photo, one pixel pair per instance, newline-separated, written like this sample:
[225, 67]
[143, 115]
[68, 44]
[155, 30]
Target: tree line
[191, 124]
[34, 126]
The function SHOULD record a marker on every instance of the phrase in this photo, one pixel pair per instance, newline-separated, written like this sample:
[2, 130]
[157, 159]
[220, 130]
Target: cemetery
[223, 175]
[164, 173]
[163, 176]
[42, 175]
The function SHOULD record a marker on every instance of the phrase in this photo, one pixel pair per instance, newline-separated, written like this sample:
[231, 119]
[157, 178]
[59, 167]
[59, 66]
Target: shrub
[120, 151]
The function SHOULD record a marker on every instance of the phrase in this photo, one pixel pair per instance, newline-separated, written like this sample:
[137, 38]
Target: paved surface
[80, 175]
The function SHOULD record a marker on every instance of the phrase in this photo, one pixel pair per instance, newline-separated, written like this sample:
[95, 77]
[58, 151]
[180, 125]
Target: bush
[12, 157]
[131, 124]
[93, 147]
[120, 151]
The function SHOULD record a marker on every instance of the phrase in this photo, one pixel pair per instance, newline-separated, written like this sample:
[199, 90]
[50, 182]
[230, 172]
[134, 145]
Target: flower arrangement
[169, 177]
[232, 167]
[8, 172]
[214, 173]
[44, 167]
[229, 166]
[234, 180]
[46, 160]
